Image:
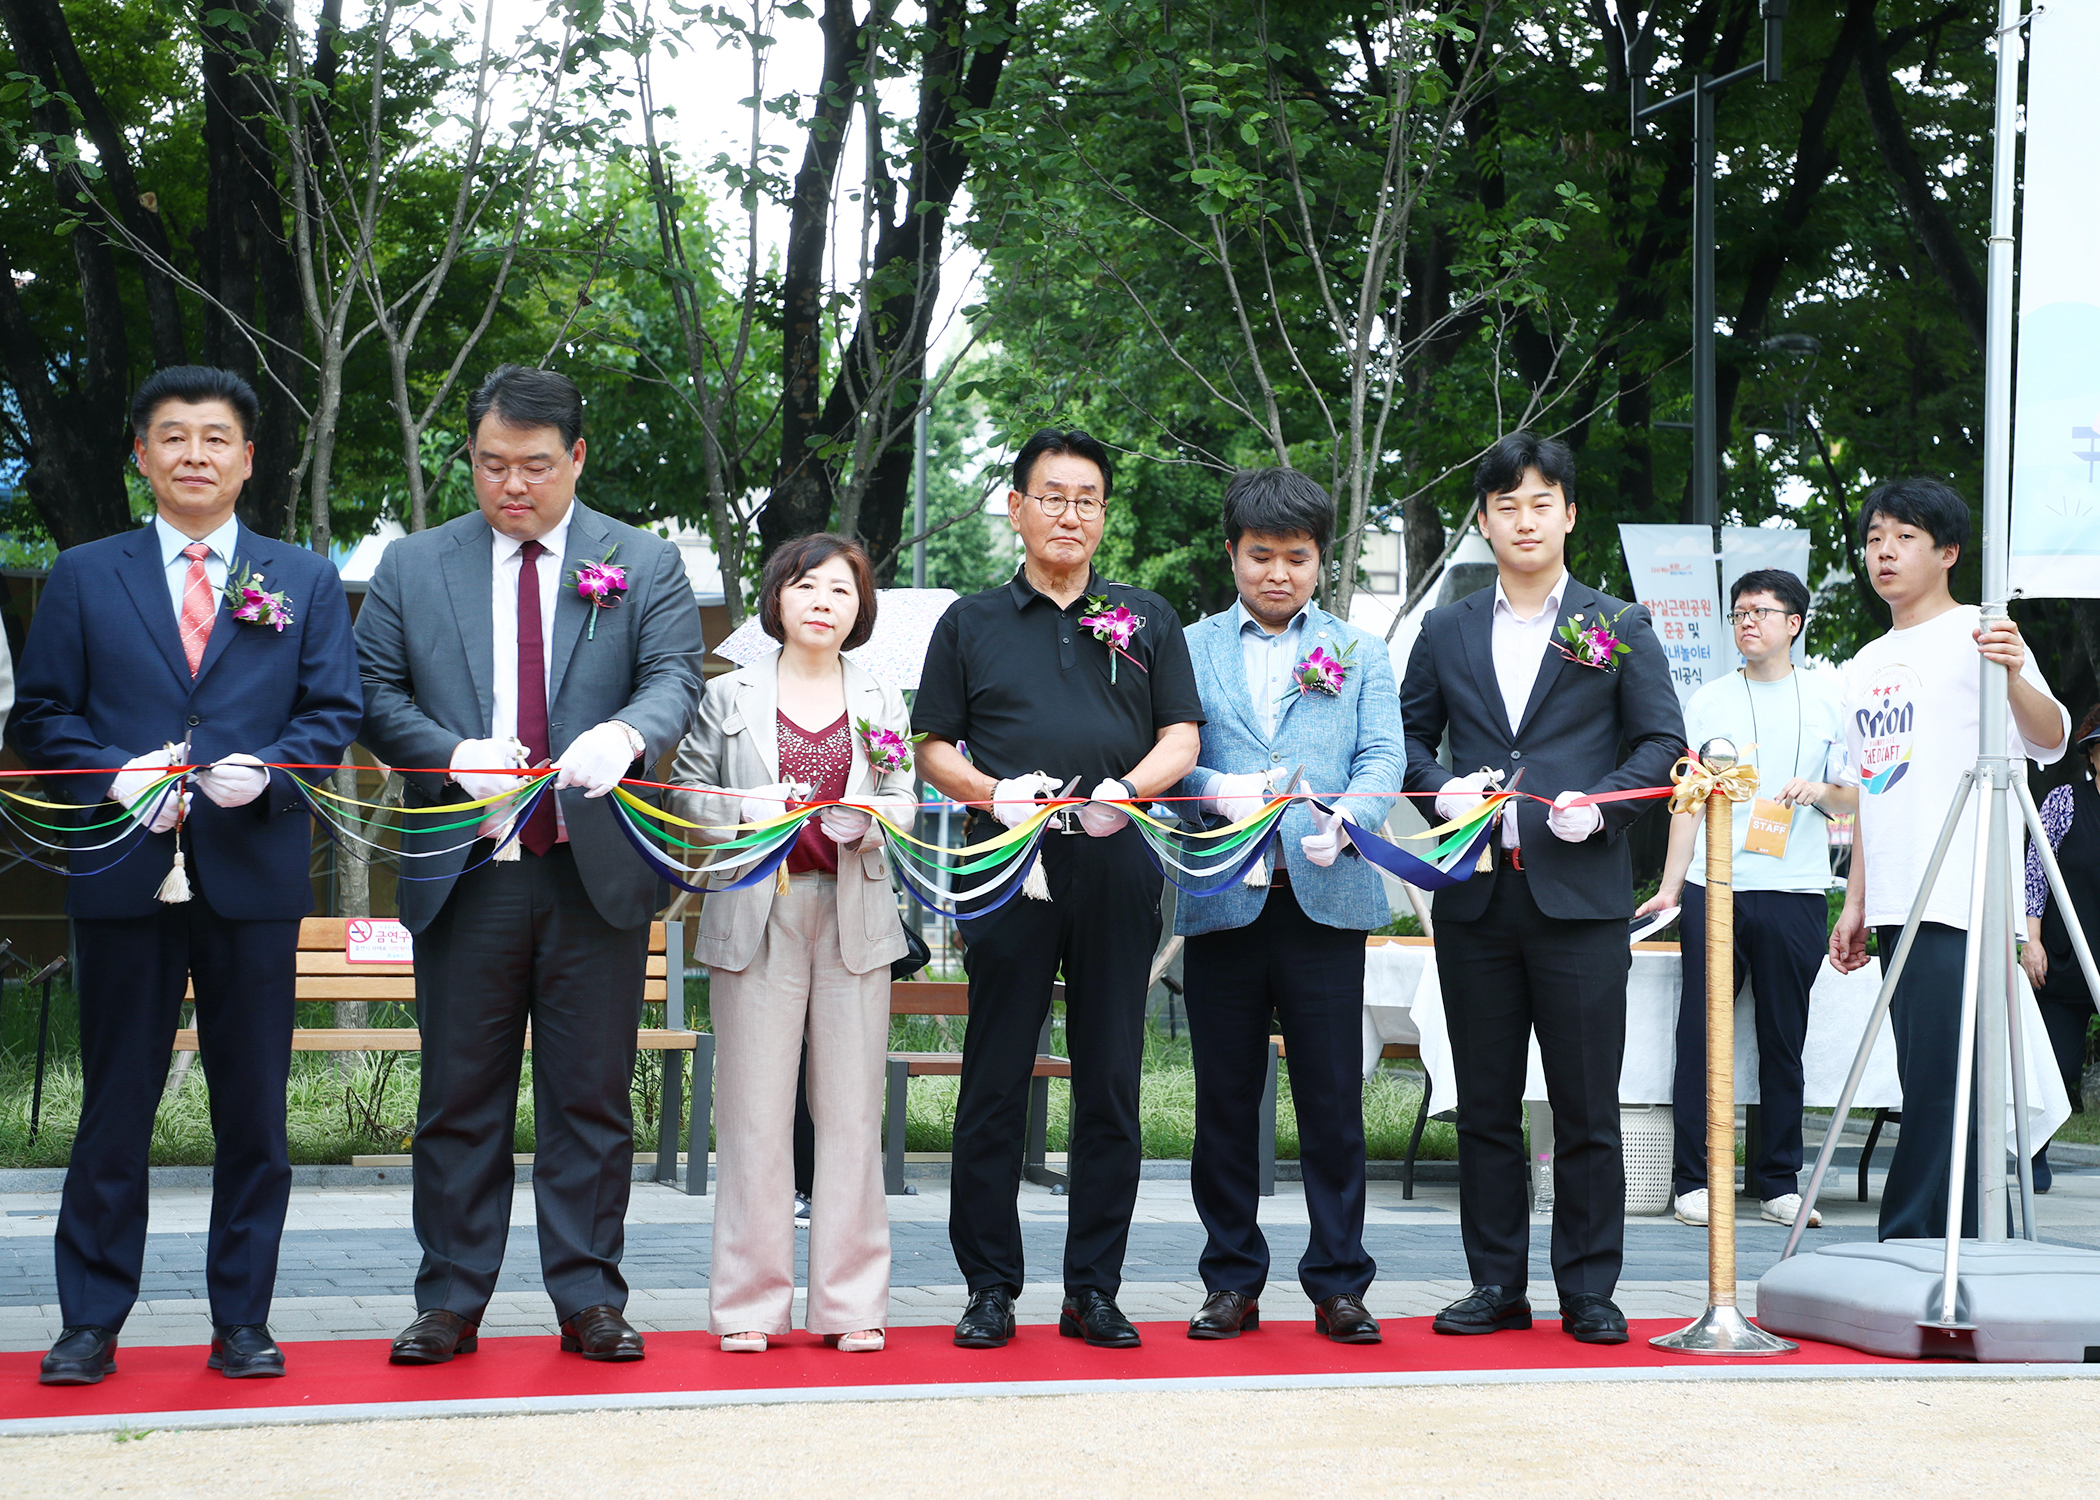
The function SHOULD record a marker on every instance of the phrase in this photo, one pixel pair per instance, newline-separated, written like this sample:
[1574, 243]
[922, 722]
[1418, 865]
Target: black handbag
[916, 954]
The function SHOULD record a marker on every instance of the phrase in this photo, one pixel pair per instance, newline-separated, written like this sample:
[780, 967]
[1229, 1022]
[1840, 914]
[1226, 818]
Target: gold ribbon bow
[1696, 782]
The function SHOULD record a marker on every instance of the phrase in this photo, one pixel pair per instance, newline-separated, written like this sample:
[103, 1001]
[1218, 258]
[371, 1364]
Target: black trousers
[1099, 929]
[516, 944]
[1780, 940]
[1925, 1014]
[131, 977]
[1512, 972]
[1282, 965]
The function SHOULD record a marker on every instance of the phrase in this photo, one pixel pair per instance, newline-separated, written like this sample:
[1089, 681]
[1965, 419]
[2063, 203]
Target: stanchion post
[1721, 1329]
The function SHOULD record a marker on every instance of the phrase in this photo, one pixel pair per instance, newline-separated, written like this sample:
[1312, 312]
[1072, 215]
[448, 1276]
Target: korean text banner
[2055, 548]
[1673, 575]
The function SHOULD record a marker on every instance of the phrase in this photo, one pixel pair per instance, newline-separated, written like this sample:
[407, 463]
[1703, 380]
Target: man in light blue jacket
[1286, 685]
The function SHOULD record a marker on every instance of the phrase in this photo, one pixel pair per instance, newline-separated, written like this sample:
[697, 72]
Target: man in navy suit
[136, 661]
[1538, 943]
[1295, 948]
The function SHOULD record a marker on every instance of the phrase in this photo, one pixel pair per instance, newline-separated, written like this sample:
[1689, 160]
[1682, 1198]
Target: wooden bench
[926, 997]
[322, 973]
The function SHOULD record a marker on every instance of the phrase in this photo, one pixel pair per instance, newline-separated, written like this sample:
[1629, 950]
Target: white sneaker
[1691, 1207]
[1787, 1208]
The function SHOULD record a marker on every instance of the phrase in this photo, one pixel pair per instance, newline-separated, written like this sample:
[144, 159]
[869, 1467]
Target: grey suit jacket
[426, 649]
[736, 744]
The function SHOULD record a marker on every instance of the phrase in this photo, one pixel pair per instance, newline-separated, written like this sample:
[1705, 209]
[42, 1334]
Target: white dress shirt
[503, 626]
[217, 564]
[1519, 648]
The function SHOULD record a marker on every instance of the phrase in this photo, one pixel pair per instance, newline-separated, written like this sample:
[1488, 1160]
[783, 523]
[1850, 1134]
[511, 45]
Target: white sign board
[2055, 551]
[377, 940]
[1746, 549]
[1673, 575]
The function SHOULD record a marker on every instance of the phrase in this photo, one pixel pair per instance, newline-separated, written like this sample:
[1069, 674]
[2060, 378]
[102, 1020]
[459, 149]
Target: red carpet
[349, 1372]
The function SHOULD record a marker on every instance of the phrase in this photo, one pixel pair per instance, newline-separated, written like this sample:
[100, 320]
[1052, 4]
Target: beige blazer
[736, 744]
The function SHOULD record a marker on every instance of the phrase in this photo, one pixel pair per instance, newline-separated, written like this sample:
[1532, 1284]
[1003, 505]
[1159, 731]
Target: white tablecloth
[1403, 1003]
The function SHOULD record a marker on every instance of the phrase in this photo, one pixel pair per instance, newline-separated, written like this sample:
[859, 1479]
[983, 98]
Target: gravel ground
[1821, 1438]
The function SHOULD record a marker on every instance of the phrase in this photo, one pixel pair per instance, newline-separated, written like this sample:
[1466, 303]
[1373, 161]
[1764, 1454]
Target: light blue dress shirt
[177, 567]
[1268, 660]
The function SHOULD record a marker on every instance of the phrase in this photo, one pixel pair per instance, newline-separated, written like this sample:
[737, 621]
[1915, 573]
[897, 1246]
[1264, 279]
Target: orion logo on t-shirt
[1886, 728]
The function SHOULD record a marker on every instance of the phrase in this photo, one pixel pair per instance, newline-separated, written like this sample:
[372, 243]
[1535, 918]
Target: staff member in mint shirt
[1041, 698]
[1789, 724]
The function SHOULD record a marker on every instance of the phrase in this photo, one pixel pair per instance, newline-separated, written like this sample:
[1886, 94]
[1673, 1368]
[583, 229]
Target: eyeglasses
[495, 473]
[1759, 613]
[1053, 506]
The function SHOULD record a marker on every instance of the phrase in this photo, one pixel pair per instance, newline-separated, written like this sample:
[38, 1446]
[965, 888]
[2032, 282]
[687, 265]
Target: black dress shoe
[988, 1322]
[83, 1354]
[600, 1333]
[434, 1337]
[1592, 1317]
[1485, 1309]
[1344, 1319]
[1092, 1315]
[1225, 1315]
[243, 1351]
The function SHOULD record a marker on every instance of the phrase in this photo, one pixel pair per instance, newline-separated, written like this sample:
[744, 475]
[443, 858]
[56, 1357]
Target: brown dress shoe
[1344, 1318]
[1225, 1315]
[600, 1333]
[434, 1337]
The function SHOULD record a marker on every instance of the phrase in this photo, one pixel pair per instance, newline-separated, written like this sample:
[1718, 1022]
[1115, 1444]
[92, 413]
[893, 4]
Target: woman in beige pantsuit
[805, 957]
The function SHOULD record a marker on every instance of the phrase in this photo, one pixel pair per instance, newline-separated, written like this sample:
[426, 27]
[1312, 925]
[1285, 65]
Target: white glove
[843, 825]
[763, 802]
[486, 755]
[1101, 816]
[1328, 835]
[1574, 824]
[140, 772]
[1237, 798]
[235, 781]
[1012, 802]
[596, 759]
[1460, 795]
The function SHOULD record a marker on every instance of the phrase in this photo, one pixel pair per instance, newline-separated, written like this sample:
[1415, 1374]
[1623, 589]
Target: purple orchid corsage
[1321, 672]
[1117, 627]
[250, 601]
[887, 750]
[1592, 643]
[602, 585]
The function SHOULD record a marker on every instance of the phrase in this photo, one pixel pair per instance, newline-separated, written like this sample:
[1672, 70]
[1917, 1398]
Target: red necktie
[199, 608]
[541, 830]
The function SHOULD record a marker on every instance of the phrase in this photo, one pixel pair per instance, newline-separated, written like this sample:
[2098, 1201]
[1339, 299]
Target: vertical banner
[2055, 551]
[1746, 549]
[1673, 575]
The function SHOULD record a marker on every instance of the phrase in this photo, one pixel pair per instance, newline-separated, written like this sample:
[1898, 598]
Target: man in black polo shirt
[1014, 674]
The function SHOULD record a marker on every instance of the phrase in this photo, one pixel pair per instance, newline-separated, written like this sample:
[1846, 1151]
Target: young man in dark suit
[137, 661]
[1539, 941]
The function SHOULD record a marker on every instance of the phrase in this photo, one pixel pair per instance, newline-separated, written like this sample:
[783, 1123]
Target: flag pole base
[1723, 1330]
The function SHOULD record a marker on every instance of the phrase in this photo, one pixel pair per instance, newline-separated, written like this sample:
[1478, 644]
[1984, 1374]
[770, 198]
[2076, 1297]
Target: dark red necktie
[541, 830]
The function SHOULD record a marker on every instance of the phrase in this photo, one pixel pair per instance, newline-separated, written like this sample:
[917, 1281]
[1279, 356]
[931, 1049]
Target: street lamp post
[1706, 436]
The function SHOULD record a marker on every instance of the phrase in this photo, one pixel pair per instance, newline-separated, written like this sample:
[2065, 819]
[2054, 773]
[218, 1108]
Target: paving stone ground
[350, 1256]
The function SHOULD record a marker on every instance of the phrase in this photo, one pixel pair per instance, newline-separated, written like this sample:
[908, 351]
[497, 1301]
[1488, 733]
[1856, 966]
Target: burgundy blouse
[823, 759]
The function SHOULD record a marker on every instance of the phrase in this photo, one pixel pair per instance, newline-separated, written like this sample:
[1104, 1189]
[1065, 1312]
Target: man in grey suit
[479, 652]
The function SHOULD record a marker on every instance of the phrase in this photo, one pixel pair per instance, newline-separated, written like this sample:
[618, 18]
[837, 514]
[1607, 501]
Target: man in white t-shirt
[1911, 729]
[1790, 725]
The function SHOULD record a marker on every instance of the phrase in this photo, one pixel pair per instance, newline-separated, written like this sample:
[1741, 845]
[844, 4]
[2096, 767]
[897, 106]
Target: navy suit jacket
[103, 679]
[1586, 729]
